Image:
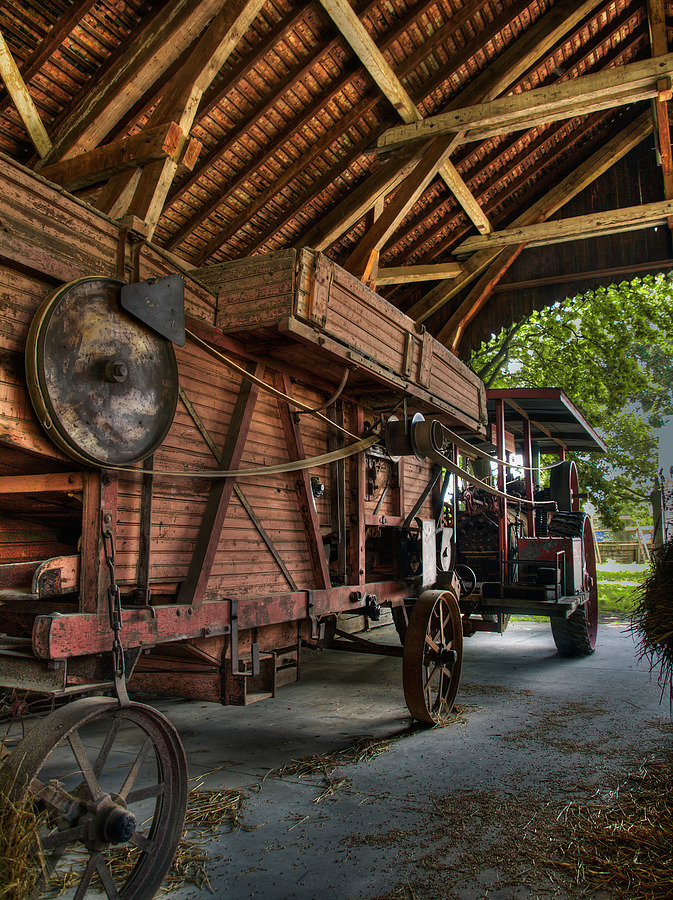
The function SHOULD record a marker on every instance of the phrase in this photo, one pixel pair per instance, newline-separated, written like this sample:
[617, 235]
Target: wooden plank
[627, 218]
[98, 165]
[411, 274]
[29, 484]
[22, 100]
[54, 236]
[577, 96]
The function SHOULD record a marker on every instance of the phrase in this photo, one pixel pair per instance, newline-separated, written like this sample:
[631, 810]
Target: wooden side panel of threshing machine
[263, 550]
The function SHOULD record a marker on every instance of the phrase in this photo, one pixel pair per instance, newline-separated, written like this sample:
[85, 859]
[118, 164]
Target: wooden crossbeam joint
[98, 165]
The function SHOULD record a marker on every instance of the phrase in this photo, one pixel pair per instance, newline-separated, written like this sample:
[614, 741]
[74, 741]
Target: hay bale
[652, 619]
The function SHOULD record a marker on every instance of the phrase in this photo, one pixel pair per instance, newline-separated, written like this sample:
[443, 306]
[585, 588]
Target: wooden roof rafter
[542, 138]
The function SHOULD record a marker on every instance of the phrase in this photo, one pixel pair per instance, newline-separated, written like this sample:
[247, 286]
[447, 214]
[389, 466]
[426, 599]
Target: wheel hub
[442, 656]
[113, 824]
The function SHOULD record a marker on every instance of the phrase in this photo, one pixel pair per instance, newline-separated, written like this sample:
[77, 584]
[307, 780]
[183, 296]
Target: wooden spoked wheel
[432, 656]
[108, 786]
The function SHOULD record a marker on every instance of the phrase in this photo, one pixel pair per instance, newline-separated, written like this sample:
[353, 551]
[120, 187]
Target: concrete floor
[442, 813]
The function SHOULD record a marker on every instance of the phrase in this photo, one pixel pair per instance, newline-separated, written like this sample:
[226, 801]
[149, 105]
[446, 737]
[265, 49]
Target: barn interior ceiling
[469, 160]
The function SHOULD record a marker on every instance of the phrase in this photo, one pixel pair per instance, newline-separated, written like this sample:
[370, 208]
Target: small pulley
[103, 384]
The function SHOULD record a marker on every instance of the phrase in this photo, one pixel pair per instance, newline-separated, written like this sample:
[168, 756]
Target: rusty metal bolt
[116, 371]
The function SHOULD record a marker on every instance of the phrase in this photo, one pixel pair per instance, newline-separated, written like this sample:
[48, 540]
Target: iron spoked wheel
[432, 656]
[576, 635]
[108, 785]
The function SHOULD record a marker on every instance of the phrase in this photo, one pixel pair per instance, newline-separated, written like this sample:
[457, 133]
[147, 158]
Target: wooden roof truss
[422, 145]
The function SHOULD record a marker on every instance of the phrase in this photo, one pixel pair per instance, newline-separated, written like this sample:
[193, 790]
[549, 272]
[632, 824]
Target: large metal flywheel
[104, 385]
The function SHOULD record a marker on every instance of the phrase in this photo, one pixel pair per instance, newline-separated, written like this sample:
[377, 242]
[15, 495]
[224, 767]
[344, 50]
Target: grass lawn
[616, 586]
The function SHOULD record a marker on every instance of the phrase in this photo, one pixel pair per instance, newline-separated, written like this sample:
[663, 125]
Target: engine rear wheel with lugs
[576, 635]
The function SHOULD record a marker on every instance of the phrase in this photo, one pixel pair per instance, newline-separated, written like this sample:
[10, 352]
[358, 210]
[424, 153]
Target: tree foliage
[611, 351]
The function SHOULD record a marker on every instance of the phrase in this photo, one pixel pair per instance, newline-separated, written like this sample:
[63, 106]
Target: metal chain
[115, 612]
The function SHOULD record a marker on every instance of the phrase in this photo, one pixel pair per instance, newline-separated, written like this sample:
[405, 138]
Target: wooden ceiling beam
[567, 14]
[451, 334]
[9, 71]
[356, 35]
[182, 96]
[613, 221]
[495, 263]
[517, 59]
[394, 91]
[580, 178]
[656, 17]
[577, 96]
[98, 165]
[158, 43]
[410, 274]
[353, 207]
[405, 196]
[483, 173]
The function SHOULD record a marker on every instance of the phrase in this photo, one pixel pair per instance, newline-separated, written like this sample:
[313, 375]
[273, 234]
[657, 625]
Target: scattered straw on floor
[361, 749]
[623, 843]
[617, 843]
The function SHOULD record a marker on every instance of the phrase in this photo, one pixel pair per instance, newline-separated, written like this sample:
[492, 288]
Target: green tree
[611, 351]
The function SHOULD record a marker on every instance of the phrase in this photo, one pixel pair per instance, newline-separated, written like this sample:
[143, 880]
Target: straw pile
[652, 619]
[19, 859]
